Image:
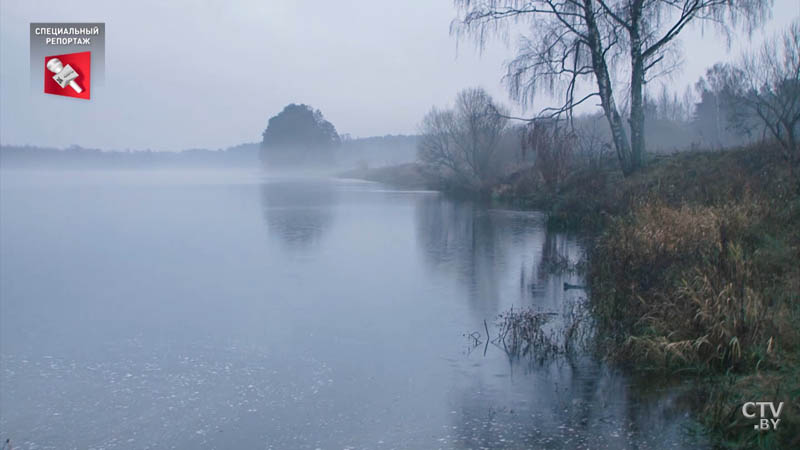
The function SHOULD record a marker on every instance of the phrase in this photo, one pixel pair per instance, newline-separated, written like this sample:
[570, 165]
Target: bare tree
[570, 41]
[460, 143]
[718, 120]
[436, 147]
[766, 83]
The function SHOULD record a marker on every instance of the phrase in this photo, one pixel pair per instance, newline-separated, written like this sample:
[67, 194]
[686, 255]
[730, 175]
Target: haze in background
[184, 74]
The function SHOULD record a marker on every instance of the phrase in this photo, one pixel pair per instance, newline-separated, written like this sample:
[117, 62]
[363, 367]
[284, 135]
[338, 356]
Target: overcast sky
[209, 74]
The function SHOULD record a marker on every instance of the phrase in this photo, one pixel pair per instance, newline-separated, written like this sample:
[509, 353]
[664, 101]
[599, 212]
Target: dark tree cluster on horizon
[298, 135]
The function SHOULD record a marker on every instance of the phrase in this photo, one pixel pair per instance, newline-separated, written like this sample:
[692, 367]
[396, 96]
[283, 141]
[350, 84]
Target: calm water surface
[192, 309]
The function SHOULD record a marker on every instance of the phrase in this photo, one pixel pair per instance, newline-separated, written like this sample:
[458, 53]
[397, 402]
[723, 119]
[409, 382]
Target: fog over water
[226, 309]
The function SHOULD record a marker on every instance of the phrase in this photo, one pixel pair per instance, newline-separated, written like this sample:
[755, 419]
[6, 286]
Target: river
[194, 309]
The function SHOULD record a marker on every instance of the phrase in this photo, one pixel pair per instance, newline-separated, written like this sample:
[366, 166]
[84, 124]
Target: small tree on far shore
[298, 135]
[459, 144]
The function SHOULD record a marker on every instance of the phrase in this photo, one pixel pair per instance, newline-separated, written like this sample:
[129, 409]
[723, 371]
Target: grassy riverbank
[696, 271]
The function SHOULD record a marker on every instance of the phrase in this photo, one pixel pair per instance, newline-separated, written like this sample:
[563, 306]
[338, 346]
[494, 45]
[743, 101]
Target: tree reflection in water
[298, 212]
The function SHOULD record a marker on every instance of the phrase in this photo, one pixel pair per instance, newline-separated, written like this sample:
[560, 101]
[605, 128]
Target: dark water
[227, 310]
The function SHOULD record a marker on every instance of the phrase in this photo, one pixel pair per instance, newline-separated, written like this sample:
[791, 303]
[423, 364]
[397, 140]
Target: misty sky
[209, 74]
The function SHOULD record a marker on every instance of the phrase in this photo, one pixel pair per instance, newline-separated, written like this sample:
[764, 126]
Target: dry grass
[523, 332]
[701, 273]
[538, 336]
[690, 289]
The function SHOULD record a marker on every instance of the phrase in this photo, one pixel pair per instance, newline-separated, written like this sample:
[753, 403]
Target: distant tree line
[11, 156]
[376, 150]
[369, 151]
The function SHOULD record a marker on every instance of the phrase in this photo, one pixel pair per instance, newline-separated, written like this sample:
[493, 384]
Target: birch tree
[569, 43]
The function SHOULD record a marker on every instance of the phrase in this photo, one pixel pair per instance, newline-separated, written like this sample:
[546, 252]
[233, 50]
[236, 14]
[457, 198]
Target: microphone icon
[64, 74]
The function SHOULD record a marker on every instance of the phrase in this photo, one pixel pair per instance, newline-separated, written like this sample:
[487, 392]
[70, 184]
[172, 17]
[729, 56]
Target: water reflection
[505, 259]
[570, 405]
[126, 325]
[298, 211]
[501, 258]
[460, 238]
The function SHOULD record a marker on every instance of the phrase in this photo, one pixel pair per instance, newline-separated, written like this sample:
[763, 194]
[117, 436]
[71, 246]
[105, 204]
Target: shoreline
[700, 273]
